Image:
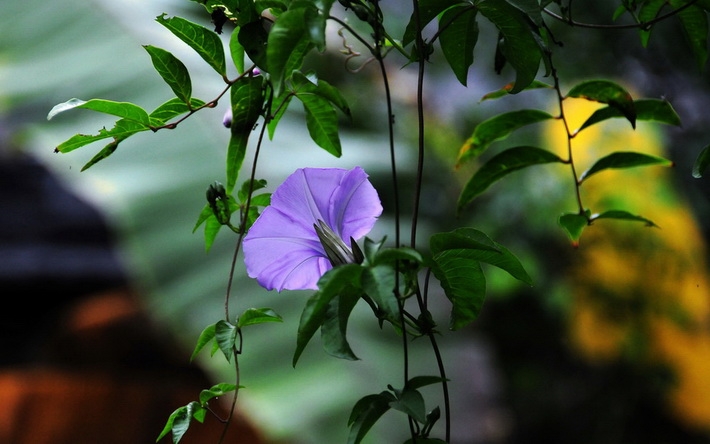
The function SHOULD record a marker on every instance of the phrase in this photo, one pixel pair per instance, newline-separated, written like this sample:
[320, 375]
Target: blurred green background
[611, 345]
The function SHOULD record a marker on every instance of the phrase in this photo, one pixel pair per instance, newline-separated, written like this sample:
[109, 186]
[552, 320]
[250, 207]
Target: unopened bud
[227, 119]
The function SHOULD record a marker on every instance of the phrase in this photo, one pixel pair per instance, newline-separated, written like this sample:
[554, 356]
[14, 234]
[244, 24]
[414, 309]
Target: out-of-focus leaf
[501, 165]
[521, 46]
[701, 162]
[497, 128]
[204, 41]
[505, 91]
[695, 27]
[172, 70]
[365, 413]
[458, 39]
[125, 110]
[624, 159]
[646, 109]
[428, 10]
[621, 215]
[574, 224]
[608, 92]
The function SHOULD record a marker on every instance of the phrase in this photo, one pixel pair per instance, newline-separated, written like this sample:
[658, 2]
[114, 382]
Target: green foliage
[456, 258]
[501, 165]
[701, 162]
[276, 37]
[497, 128]
[408, 400]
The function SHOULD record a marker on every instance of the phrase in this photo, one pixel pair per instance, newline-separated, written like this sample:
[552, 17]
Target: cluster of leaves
[385, 279]
[619, 104]
[276, 36]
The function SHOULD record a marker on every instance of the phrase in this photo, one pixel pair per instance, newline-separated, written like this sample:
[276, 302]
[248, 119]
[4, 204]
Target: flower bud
[227, 119]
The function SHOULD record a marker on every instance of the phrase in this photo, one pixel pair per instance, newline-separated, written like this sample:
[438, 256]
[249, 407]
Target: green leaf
[695, 27]
[322, 123]
[378, 283]
[237, 52]
[205, 338]
[501, 165]
[423, 381]
[122, 129]
[428, 11]
[173, 108]
[288, 42]
[253, 316]
[505, 91]
[393, 255]
[179, 421]
[247, 98]
[467, 238]
[622, 215]
[254, 39]
[204, 41]
[458, 39]
[574, 224]
[225, 334]
[215, 391]
[464, 284]
[303, 86]
[410, 402]
[623, 159]
[334, 327]
[172, 70]
[605, 91]
[497, 128]
[280, 105]
[365, 413]
[125, 110]
[314, 314]
[212, 228]
[520, 44]
[646, 109]
[482, 248]
[701, 162]
[101, 155]
[648, 11]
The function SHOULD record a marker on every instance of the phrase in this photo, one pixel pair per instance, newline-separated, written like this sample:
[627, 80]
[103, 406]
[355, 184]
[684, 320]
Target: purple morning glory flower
[313, 207]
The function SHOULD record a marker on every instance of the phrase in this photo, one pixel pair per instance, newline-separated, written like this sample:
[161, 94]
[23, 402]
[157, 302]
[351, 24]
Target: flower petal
[282, 250]
[354, 206]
